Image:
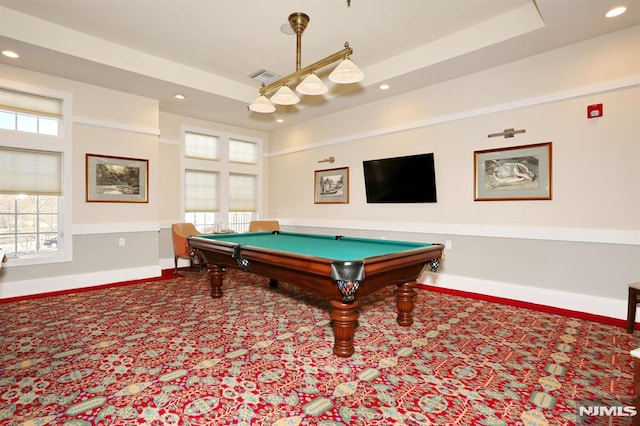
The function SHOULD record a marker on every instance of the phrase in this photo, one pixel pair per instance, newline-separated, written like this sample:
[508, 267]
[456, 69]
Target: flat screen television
[410, 179]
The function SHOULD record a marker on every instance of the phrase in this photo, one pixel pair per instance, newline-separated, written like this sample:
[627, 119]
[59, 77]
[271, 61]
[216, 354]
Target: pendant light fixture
[312, 85]
[345, 73]
[285, 96]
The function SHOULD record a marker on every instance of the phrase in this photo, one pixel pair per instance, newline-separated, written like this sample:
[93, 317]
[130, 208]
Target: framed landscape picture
[514, 173]
[331, 186]
[116, 179]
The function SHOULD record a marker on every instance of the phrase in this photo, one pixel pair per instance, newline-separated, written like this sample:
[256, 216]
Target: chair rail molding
[603, 236]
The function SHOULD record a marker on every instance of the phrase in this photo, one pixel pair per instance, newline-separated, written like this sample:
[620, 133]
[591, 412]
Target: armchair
[264, 226]
[181, 249]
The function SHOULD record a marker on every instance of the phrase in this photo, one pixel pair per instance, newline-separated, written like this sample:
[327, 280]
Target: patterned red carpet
[164, 352]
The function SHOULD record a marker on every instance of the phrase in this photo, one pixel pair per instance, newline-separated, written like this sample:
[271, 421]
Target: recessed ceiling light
[10, 54]
[383, 86]
[179, 96]
[280, 120]
[616, 11]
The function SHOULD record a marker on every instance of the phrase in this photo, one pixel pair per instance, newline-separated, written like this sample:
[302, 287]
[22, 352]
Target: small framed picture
[117, 179]
[514, 173]
[331, 186]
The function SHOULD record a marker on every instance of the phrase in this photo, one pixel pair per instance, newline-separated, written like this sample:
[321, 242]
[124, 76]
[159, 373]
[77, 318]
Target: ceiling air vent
[264, 76]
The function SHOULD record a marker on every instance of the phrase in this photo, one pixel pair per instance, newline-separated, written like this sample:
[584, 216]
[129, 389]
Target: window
[201, 199]
[30, 199]
[205, 147]
[29, 113]
[222, 176]
[242, 193]
[32, 148]
[29, 223]
[242, 201]
[243, 152]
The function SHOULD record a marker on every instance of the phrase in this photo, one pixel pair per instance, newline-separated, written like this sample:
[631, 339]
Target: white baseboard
[10, 289]
[168, 263]
[602, 306]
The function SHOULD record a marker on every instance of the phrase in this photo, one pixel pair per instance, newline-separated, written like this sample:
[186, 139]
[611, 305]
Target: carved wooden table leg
[215, 278]
[406, 296]
[344, 316]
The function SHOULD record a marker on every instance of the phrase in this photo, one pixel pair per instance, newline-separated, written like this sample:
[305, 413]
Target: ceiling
[206, 49]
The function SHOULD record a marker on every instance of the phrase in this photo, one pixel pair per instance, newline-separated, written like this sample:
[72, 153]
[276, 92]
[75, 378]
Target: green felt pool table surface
[325, 246]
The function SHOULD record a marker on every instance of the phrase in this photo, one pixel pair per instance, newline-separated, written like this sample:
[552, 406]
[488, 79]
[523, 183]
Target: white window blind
[243, 152]
[201, 146]
[30, 104]
[242, 192]
[30, 172]
[201, 191]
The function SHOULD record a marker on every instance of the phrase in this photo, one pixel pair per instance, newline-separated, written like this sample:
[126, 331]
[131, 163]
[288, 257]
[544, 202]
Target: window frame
[223, 166]
[63, 143]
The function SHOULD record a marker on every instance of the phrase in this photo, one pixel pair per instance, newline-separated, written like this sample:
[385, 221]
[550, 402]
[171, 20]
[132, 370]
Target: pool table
[342, 269]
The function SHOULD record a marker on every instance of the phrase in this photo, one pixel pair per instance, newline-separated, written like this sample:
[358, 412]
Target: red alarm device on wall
[594, 111]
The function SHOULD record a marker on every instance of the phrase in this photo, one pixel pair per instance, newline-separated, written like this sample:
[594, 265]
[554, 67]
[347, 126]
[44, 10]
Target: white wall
[577, 251]
[105, 122]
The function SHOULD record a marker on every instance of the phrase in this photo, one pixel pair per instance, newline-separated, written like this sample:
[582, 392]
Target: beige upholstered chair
[634, 299]
[181, 249]
[264, 226]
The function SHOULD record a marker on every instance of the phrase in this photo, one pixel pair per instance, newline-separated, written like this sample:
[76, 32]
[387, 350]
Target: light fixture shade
[285, 96]
[346, 72]
[312, 85]
[262, 105]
